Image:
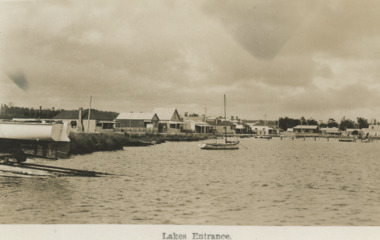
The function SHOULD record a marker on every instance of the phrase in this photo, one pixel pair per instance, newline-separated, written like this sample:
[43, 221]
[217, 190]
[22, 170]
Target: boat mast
[225, 120]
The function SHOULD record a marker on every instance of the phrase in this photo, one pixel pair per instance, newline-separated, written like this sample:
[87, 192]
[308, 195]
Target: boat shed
[137, 122]
[169, 120]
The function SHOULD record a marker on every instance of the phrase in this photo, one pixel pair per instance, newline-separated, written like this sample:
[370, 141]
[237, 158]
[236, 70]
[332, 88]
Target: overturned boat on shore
[34, 130]
[22, 138]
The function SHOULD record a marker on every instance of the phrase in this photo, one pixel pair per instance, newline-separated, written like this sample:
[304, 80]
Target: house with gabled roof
[137, 122]
[169, 120]
[78, 120]
[196, 125]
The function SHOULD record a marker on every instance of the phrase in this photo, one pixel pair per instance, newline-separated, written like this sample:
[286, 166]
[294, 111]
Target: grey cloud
[131, 54]
[261, 27]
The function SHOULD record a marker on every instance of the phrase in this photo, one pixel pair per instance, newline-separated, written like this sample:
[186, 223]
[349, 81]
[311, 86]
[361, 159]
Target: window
[73, 124]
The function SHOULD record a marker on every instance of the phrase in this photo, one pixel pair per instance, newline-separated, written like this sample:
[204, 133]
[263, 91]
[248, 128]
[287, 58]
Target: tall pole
[89, 113]
[225, 120]
[265, 117]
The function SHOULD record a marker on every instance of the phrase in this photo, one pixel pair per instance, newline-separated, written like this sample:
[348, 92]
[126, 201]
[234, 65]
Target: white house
[261, 130]
[88, 120]
[169, 120]
[372, 130]
[196, 125]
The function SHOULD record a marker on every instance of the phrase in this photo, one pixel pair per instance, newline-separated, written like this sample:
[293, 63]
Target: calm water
[264, 183]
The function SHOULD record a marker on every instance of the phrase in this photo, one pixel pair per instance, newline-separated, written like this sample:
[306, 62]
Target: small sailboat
[226, 145]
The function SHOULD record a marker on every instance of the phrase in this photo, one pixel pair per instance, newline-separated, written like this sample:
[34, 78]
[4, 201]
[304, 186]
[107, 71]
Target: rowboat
[220, 146]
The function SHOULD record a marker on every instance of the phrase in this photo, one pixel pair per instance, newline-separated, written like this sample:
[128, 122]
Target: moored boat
[347, 140]
[226, 145]
[220, 146]
[264, 137]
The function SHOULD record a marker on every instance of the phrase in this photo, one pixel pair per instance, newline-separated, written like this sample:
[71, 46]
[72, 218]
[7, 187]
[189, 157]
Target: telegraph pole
[89, 113]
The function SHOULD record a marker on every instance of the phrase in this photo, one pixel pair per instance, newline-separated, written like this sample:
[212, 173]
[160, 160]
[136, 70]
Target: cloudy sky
[317, 59]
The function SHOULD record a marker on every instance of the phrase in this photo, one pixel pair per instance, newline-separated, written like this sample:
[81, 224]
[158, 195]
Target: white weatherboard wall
[90, 128]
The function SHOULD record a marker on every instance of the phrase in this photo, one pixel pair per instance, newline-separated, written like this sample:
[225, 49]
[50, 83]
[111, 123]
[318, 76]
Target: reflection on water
[264, 183]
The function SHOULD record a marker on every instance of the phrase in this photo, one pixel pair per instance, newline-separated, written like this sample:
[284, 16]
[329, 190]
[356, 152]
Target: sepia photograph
[180, 119]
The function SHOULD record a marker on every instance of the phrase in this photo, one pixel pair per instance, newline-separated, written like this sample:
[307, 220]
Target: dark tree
[9, 112]
[286, 123]
[332, 123]
[347, 123]
[312, 122]
[362, 122]
[303, 121]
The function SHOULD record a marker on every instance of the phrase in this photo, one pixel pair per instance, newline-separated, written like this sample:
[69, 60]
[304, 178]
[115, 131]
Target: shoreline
[85, 143]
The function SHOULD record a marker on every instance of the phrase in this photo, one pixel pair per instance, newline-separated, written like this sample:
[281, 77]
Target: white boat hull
[52, 132]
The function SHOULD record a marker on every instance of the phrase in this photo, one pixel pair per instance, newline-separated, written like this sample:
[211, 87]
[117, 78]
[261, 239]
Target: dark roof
[94, 115]
[222, 124]
[73, 114]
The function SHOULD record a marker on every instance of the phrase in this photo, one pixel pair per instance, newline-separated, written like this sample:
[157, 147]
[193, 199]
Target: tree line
[285, 123]
[9, 111]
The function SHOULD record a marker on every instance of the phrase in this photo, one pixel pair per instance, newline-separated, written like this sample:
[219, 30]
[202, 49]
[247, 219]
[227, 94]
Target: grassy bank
[83, 143]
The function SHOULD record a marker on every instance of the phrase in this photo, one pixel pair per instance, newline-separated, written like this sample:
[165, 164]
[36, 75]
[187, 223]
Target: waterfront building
[137, 122]
[196, 125]
[372, 130]
[261, 130]
[353, 132]
[169, 120]
[334, 131]
[78, 120]
[306, 129]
